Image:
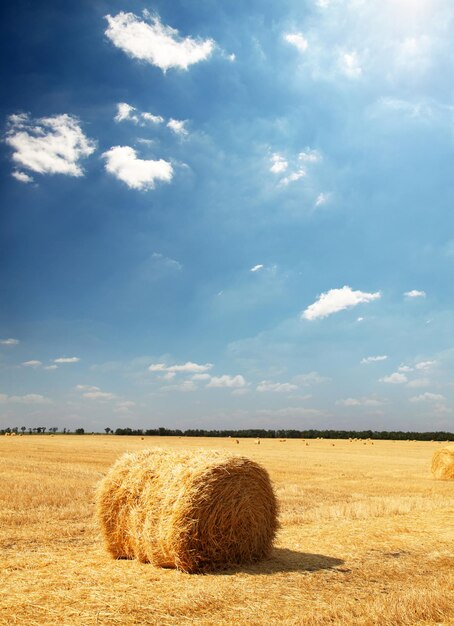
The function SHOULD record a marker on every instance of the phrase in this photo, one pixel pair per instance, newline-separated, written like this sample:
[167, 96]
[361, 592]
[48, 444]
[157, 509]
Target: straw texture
[443, 463]
[194, 511]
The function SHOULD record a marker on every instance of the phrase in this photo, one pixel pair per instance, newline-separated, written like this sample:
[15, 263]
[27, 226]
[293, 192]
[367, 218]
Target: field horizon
[366, 538]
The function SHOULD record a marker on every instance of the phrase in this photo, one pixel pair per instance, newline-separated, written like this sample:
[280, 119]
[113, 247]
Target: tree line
[255, 433]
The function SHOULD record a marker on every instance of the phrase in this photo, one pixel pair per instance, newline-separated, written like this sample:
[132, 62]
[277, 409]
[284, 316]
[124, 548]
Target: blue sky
[216, 215]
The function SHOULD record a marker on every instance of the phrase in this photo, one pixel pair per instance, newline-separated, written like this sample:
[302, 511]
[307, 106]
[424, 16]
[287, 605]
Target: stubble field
[366, 538]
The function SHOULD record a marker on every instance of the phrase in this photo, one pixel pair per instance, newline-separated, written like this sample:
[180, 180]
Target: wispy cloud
[256, 268]
[154, 42]
[32, 363]
[267, 385]
[9, 342]
[187, 368]
[336, 300]
[373, 359]
[67, 359]
[427, 397]
[29, 398]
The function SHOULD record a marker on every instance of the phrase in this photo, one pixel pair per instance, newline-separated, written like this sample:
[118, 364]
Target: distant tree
[79, 431]
[23, 429]
[53, 429]
[108, 430]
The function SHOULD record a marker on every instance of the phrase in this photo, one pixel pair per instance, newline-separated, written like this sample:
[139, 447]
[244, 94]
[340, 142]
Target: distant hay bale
[194, 511]
[443, 463]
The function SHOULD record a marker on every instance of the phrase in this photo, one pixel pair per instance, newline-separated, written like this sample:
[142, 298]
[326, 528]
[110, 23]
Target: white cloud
[266, 385]
[427, 397]
[9, 342]
[310, 156]
[336, 300]
[321, 199]
[122, 162]
[312, 378]
[201, 377]
[360, 402]
[29, 398]
[32, 363]
[293, 177]
[126, 112]
[279, 164]
[154, 42]
[188, 368]
[350, 65]
[99, 395]
[394, 379]
[124, 407]
[177, 127]
[67, 359]
[227, 381]
[51, 367]
[48, 145]
[373, 359]
[256, 268]
[22, 177]
[404, 368]
[419, 382]
[425, 365]
[87, 388]
[414, 293]
[297, 40]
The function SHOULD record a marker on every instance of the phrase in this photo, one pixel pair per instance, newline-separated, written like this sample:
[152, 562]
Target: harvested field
[366, 539]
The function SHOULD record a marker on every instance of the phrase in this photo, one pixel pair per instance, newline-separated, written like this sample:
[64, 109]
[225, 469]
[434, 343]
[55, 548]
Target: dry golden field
[367, 538]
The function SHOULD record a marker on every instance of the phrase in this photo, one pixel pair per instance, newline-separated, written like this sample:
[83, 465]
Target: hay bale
[194, 511]
[443, 463]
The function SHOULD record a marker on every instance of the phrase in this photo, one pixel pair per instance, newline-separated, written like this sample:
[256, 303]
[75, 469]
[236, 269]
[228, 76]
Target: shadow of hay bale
[284, 560]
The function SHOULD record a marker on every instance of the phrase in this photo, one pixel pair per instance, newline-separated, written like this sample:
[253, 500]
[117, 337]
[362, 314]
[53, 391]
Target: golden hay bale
[194, 511]
[443, 462]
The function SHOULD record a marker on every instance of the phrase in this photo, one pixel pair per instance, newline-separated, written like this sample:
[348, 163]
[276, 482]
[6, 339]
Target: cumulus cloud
[293, 177]
[256, 268]
[373, 359]
[48, 145]
[178, 127]
[187, 368]
[122, 162]
[419, 382]
[67, 359]
[336, 300]
[227, 381]
[126, 112]
[414, 293]
[397, 378]
[154, 42]
[297, 40]
[266, 385]
[278, 163]
[9, 342]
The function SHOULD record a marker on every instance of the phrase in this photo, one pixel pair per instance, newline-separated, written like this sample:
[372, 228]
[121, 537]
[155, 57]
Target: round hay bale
[443, 463]
[194, 511]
